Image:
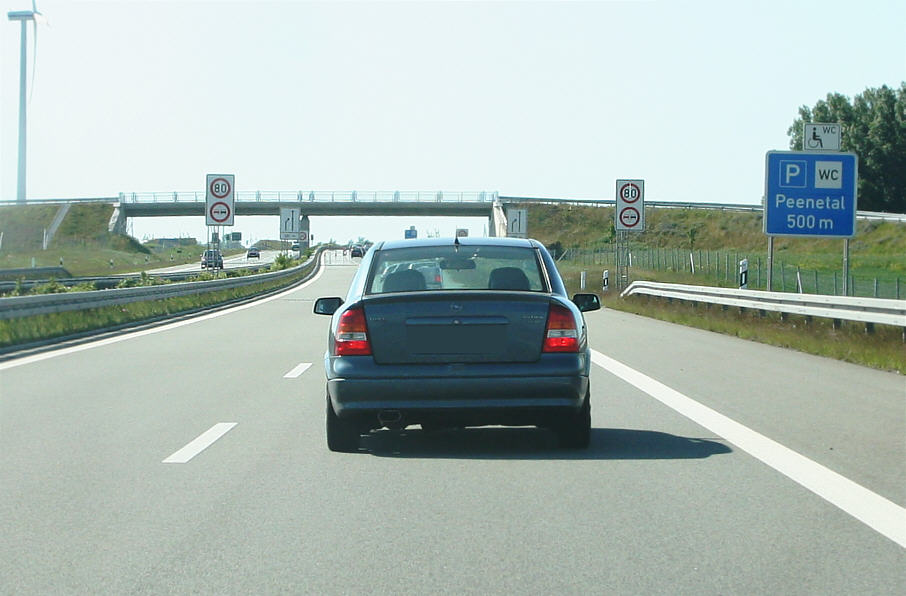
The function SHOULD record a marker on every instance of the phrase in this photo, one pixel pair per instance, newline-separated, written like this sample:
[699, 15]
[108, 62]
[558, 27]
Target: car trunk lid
[487, 327]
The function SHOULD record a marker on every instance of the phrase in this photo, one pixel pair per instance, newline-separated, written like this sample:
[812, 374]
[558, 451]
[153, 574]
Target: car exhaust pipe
[392, 419]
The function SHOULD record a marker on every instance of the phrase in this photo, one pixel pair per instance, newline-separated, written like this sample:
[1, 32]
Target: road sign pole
[770, 263]
[846, 266]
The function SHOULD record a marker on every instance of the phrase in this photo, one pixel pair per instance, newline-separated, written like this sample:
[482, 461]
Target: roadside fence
[722, 268]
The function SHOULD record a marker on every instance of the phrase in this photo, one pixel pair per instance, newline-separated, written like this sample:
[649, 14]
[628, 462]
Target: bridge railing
[319, 196]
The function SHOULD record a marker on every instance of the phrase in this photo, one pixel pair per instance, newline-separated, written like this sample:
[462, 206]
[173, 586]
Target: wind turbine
[23, 16]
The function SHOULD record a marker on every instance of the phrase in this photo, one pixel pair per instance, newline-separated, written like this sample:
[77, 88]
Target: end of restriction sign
[630, 205]
[219, 192]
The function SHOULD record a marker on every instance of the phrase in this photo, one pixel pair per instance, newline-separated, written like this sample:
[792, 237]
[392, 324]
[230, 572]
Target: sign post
[218, 205]
[630, 202]
[821, 136]
[516, 223]
[744, 274]
[289, 223]
[629, 216]
[810, 194]
[219, 199]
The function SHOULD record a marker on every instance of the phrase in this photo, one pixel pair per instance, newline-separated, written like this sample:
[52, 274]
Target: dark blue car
[493, 340]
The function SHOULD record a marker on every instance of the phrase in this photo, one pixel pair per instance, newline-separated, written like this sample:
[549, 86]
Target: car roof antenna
[456, 243]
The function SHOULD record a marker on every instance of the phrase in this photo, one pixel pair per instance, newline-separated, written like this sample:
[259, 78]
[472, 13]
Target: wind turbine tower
[23, 16]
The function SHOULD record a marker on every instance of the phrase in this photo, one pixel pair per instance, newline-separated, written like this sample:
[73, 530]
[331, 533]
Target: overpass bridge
[488, 204]
[337, 203]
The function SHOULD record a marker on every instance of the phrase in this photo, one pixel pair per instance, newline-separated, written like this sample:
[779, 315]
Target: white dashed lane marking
[205, 440]
[301, 368]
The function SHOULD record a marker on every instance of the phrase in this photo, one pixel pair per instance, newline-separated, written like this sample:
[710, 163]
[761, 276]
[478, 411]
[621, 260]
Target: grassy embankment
[877, 251]
[82, 242]
[39, 327]
[87, 248]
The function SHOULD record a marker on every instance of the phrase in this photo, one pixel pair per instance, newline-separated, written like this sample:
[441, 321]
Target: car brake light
[352, 334]
[561, 334]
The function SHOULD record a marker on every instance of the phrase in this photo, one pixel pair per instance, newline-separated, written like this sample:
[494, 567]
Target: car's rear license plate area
[480, 339]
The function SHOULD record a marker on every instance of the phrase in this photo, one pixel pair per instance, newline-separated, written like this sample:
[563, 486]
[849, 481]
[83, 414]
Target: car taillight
[352, 334]
[561, 334]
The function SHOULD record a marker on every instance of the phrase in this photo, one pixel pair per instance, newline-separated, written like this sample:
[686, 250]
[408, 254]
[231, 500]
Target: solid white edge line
[204, 440]
[166, 327]
[875, 511]
[297, 371]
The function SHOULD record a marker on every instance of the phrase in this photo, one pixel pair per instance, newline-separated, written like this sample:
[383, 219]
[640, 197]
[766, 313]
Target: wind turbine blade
[38, 15]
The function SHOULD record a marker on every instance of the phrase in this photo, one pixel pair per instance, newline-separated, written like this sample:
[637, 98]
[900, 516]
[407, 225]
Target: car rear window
[448, 268]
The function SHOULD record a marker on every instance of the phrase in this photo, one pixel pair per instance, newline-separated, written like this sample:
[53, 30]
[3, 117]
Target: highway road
[232, 262]
[191, 458]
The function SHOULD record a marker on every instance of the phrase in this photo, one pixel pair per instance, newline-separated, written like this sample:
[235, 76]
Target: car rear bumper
[558, 382]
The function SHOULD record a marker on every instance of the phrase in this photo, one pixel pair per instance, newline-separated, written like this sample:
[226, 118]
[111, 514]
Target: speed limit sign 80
[630, 205]
[219, 192]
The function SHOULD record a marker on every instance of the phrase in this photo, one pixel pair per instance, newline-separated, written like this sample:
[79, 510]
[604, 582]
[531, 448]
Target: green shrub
[51, 287]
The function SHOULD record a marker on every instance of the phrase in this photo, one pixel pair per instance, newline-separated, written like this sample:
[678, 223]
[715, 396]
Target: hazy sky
[551, 99]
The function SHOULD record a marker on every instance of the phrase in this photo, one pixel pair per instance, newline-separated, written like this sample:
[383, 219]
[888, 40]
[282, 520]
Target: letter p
[790, 171]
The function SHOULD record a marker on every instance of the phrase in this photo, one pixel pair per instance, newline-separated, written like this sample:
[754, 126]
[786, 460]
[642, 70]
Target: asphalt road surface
[231, 262]
[191, 459]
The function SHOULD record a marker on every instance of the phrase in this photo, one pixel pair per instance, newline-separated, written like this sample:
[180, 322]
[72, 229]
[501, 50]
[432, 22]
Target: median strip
[205, 440]
[878, 513]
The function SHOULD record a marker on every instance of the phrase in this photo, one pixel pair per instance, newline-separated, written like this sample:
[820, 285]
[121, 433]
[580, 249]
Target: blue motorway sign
[810, 194]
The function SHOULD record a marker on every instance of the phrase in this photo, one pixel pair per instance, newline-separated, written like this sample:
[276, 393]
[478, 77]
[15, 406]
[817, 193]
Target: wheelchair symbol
[815, 142]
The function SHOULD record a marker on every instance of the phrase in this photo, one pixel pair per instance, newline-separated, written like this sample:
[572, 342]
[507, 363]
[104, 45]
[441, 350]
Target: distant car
[357, 251]
[500, 344]
[253, 252]
[212, 259]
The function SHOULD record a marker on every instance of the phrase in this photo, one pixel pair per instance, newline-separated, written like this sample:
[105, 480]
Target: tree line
[874, 128]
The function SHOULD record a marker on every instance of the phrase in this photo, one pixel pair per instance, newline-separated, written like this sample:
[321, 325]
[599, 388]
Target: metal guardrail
[103, 282]
[24, 306]
[866, 310]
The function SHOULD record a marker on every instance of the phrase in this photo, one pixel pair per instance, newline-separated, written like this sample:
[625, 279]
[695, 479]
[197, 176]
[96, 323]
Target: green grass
[883, 349]
[82, 242]
[876, 253]
[23, 227]
[93, 260]
[58, 325]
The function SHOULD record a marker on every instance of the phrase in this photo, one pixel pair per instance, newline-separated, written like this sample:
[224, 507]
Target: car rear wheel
[342, 435]
[574, 432]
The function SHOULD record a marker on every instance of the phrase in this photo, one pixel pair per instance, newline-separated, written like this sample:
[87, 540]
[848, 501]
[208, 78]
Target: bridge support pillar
[304, 233]
[117, 224]
[497, 223]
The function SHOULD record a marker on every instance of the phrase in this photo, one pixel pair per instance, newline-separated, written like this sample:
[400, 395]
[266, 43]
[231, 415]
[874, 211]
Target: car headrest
[407, 280]
[508, 278]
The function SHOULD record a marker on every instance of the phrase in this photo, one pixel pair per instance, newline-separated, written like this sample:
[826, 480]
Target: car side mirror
[327, 306]
[587, 302]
